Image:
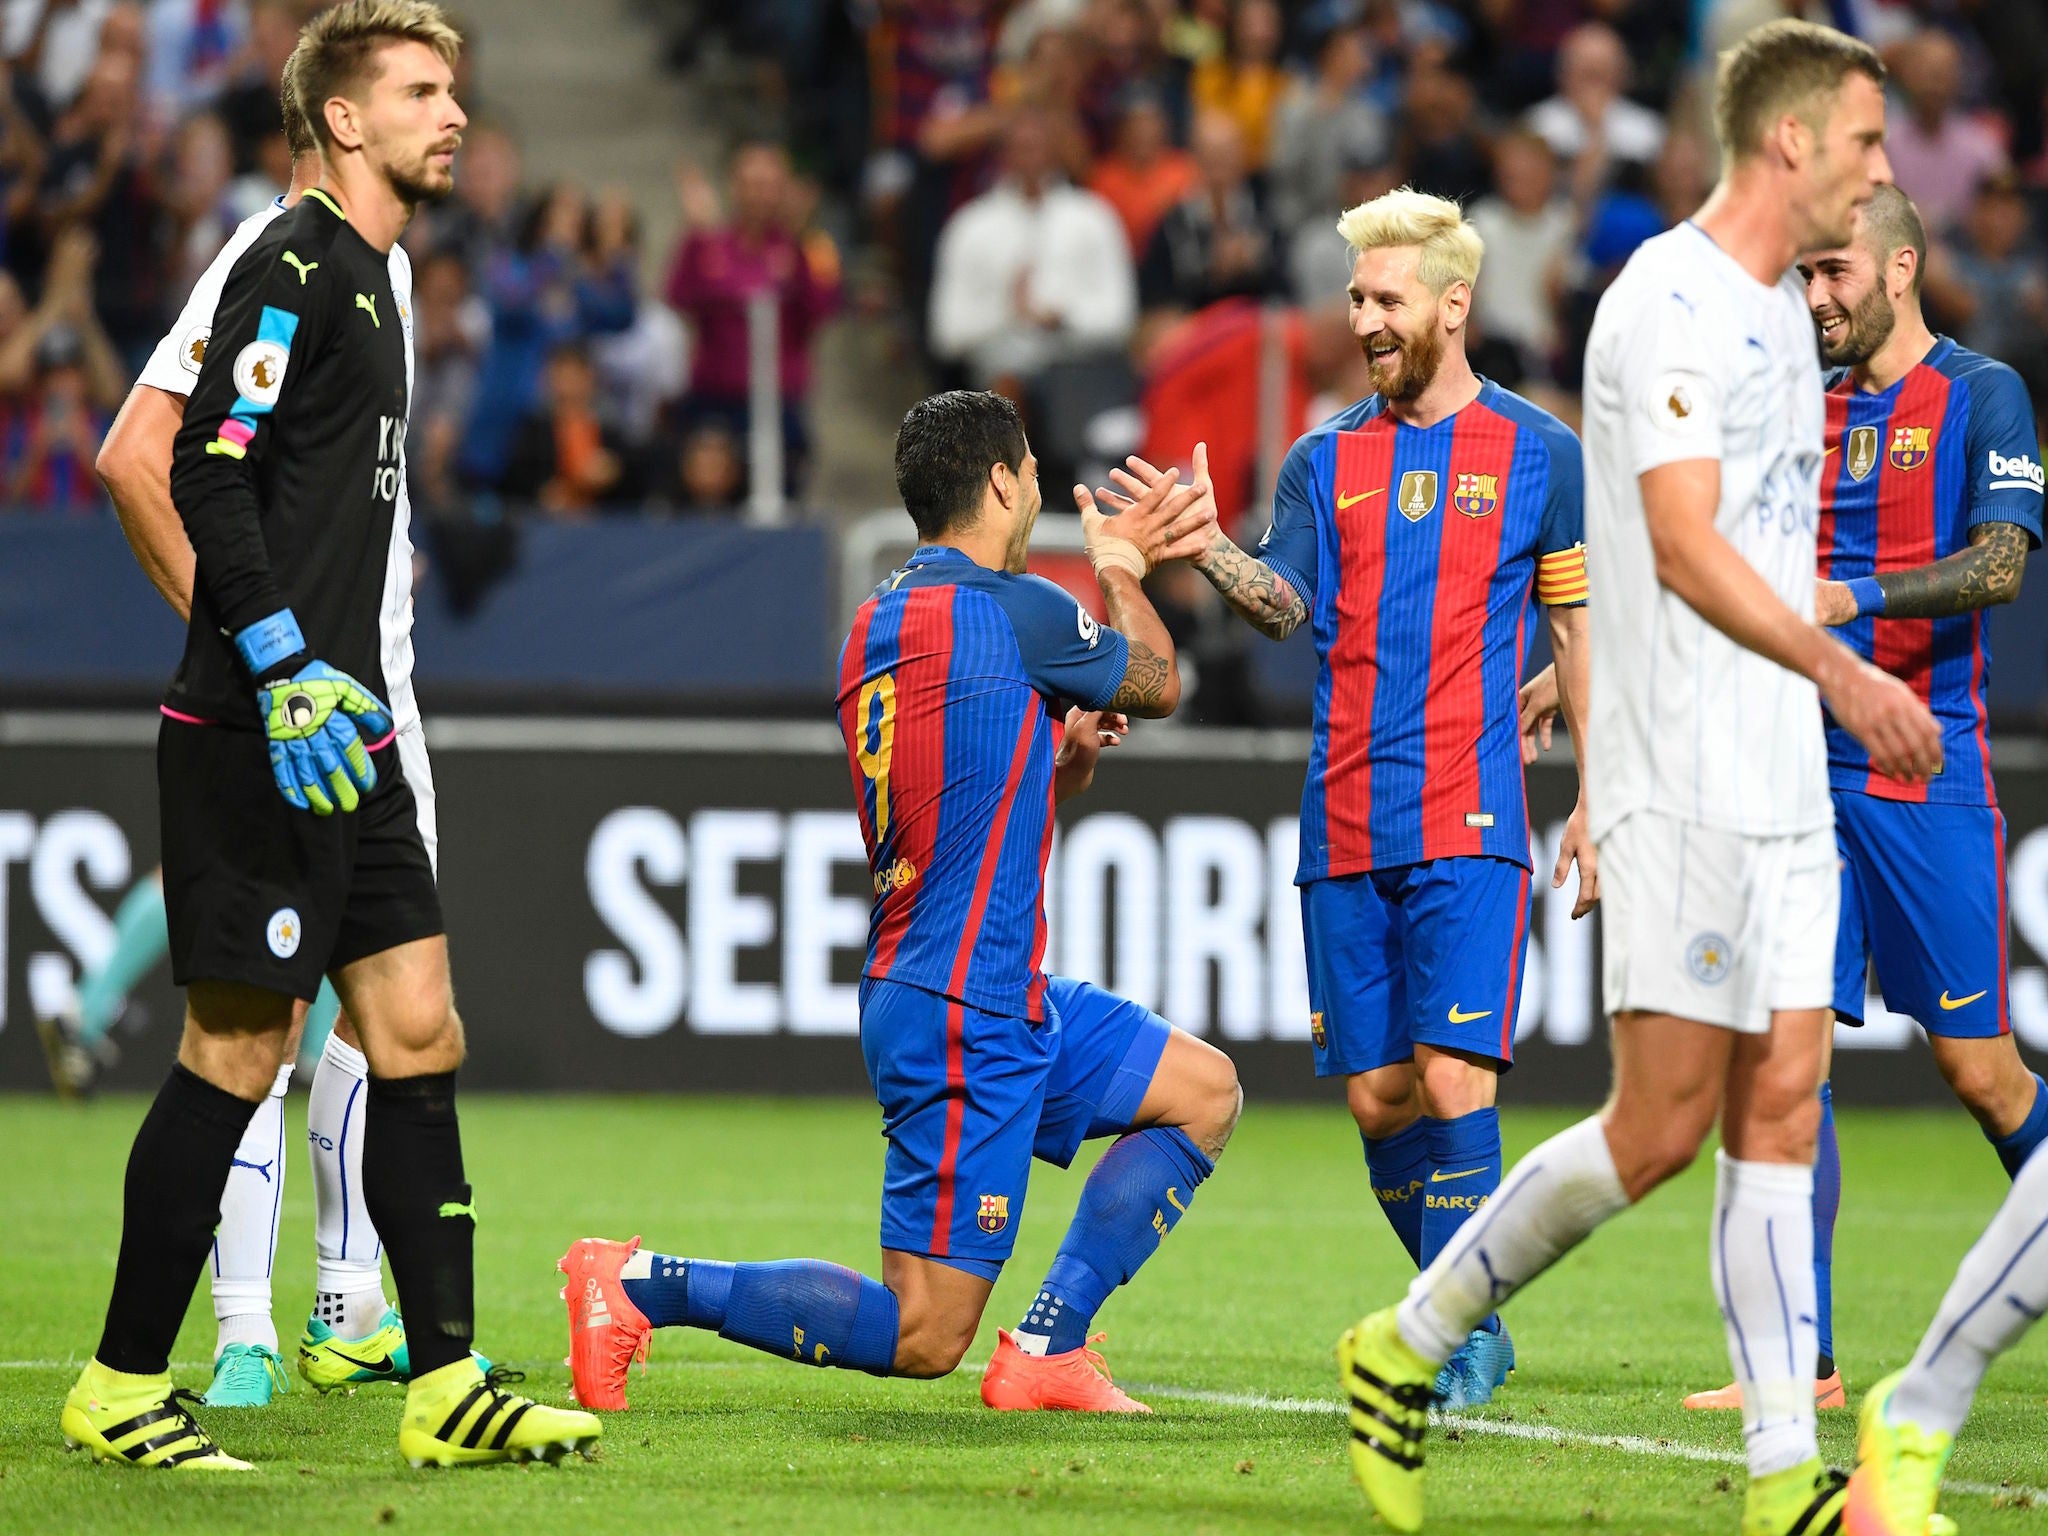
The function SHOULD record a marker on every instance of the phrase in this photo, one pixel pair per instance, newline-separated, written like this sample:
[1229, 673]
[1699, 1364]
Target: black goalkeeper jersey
[287, 470]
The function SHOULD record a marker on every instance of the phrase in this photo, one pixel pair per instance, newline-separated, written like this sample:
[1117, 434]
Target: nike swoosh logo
[1826, 451]
[1352, 501]
[382, 1367]
[1951, 1004]
[1446, 1178]
[1171, 1191]
[1466, 1018]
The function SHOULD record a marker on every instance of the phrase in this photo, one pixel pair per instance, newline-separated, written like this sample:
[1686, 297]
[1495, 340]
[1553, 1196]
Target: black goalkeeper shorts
[261, 892]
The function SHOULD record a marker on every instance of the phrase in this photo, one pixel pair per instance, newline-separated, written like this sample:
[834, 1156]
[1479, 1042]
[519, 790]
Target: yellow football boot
[1898, 1471]
[142, 1421]
[459, 1416]
[1388, 1386]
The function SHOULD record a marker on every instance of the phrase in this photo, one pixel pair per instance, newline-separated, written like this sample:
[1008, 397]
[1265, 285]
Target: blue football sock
[801, 1309]
[1132, 1199]
[1464, 1171]
[142, 937]
[2014, 1150]
[1399, 1168]
[1827, 1204]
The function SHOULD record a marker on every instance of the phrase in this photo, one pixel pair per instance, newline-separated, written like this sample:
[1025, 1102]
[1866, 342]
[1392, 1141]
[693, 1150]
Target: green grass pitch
[1227, 1332]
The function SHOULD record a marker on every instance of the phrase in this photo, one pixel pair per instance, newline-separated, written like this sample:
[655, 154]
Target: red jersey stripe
[1830, 476]
[956, 1115]
[1906, 515]
[1468, 559]
[1365, 464]
[917, 765]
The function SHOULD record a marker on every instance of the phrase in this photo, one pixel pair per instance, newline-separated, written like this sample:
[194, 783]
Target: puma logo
[300, 267]
[455, 1208]
[368, 303]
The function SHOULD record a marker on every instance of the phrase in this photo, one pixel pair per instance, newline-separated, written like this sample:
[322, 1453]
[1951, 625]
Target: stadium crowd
[1109, 209]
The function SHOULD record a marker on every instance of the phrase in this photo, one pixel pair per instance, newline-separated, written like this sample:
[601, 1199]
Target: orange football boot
[1827, 1393]
[607, 1333]
[1076, 1379]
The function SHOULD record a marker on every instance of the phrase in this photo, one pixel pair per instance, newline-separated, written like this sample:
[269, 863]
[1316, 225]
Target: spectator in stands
[1529, 233]
[263, 182]
[1144, 174]
[249, 105]
[1322, 124]
[449, 329]
[768, 248]
[1245, 82]
[1125, 43]
[22, 158]
[1319, 261]
[1049, 77]
[1032, 271]
[96, 174]
[702, 474]
[51, 443]
[566, 458]
[1589, 124]
[539, 295]
[1440, 141]
[642, 370]
[1993, 288]
[202, 217]
[66, 304]
[1938, 154]
[482, 219]
[191, 47]
[55, 43]
[1215, 243]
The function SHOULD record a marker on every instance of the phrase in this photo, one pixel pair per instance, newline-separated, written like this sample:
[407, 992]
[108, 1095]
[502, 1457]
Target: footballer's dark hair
[1891, 224]
[338, 49]
[944, 451]
[1784, 66]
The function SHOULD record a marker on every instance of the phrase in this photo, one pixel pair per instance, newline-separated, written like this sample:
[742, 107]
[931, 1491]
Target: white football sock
[351, 1272]
[245, 1242]
[1761, 1252]
[2000, 1290]
[1548, 1203]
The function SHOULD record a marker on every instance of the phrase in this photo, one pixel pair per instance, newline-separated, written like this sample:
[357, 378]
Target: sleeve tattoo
[1146, 675]
[1985, 574]
[1267, 601]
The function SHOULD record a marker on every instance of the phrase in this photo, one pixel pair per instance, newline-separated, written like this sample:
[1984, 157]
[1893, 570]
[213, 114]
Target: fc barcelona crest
[1476, 495]
[994, 1214]
[1418, 494]
[1910, 447]
[1862, 452]
[1316, 1031]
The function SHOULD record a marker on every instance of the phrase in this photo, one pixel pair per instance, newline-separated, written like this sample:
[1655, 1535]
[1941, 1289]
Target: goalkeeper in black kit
[291, 845]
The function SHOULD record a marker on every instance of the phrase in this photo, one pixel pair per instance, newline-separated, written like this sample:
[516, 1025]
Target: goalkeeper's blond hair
[337, 50]
[1435, 226]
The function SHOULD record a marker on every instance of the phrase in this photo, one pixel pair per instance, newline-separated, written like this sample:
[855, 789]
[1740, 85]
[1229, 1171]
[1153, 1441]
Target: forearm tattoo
[1985, 574]
[1147, 675]
[1266, 599]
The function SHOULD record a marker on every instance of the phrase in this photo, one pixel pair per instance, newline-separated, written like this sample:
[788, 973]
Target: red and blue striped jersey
[1910, 471]
[1417, 550]
[952, 689]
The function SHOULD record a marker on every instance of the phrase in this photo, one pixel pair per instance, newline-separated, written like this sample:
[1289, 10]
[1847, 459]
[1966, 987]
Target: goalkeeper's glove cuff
[272, 647]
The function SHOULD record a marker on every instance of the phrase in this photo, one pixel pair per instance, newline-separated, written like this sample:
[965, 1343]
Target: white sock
[1548, 1203]
[1762, 1266]
[351, 1273]
[2000, 1290]
[245, 1242]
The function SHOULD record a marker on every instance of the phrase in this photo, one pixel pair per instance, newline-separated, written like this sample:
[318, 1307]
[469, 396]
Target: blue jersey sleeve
[1066, 653]
[1564, 502]
[1290, 545]
[2005, 477]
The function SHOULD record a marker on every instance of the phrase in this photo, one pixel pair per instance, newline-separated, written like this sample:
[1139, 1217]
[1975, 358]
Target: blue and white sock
[349, 1291]
[1762, 1269]
[2015, 1150]
[1135, 1195]
[2000, 1291]
[800, 1309]
[1464, 1171]
[245, 1243]
[1827, 1205]
[1398, 1166]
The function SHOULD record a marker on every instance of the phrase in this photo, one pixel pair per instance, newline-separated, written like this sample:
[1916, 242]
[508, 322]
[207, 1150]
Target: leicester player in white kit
[1708, 782]
[352, 1335]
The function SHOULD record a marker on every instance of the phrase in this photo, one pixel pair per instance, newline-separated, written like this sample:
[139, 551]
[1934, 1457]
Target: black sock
[413, 1186]
[1824, 1368]
[170, 1204]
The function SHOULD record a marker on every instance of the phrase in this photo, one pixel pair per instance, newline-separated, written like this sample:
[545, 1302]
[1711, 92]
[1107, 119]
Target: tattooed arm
[1262, 596]
[1151, 685]
[1982, 576]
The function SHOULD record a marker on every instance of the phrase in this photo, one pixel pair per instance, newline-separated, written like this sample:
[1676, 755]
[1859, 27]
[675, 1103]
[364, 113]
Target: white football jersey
[1693, 358]
[174, 366]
